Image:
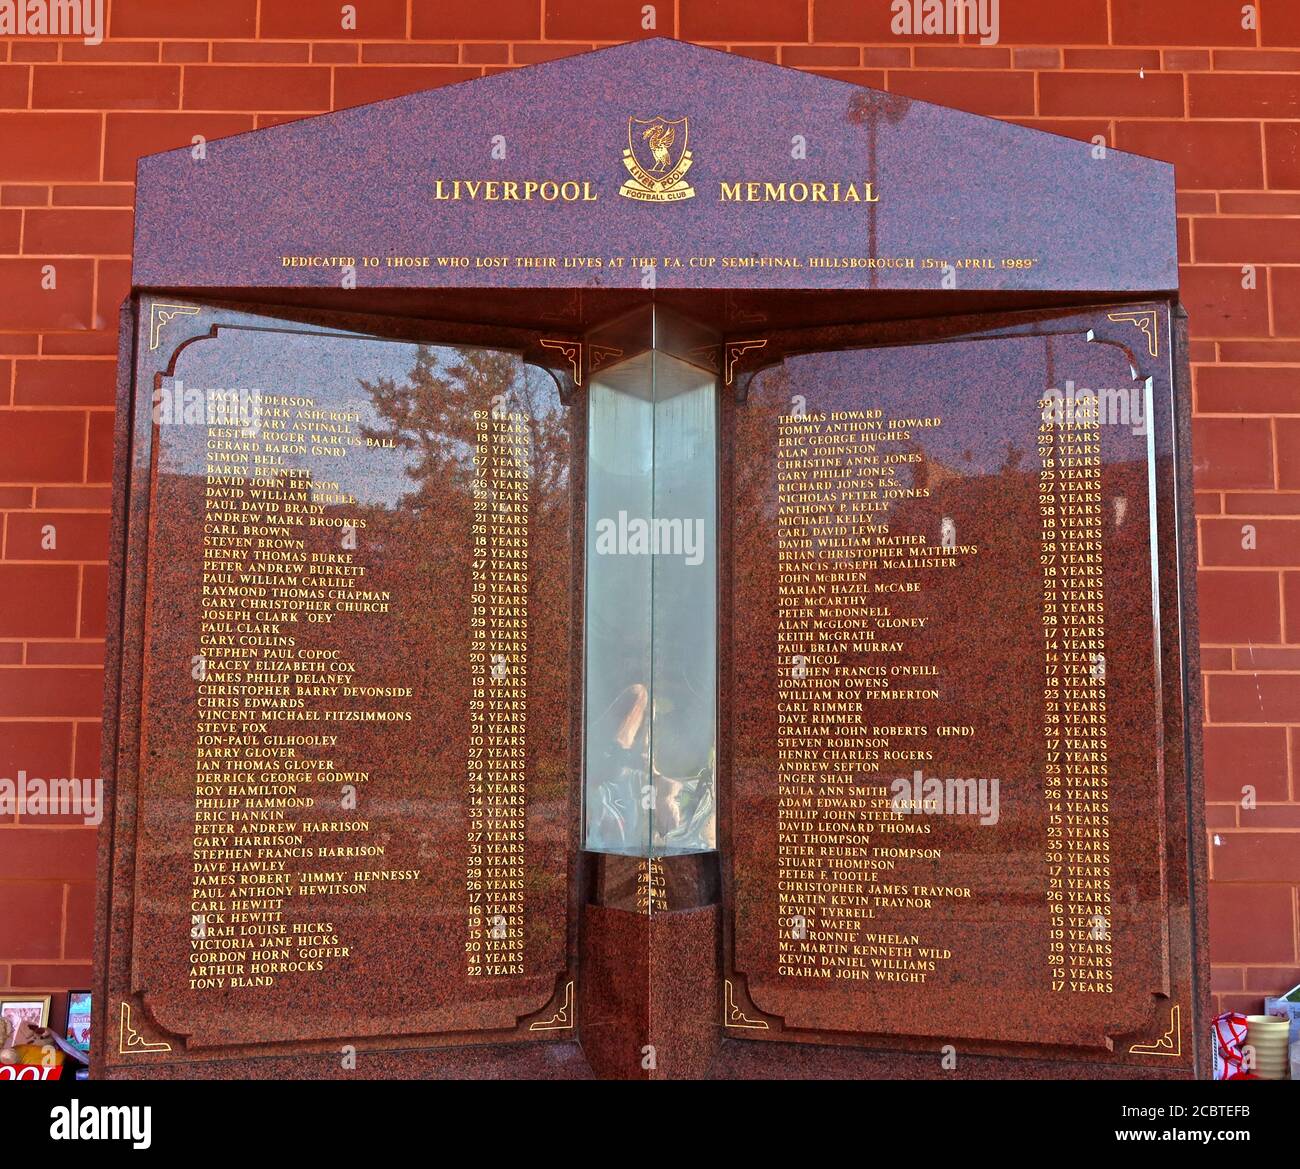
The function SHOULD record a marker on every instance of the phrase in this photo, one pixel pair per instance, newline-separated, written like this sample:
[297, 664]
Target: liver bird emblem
[660, 137]
[657, 159]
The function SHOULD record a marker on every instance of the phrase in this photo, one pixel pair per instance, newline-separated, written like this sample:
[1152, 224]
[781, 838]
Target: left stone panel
[344, 813]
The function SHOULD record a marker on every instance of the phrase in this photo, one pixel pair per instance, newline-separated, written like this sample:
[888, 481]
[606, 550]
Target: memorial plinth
[652, 589]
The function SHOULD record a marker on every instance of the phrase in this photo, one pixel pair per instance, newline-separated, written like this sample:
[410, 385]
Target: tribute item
[713, 583]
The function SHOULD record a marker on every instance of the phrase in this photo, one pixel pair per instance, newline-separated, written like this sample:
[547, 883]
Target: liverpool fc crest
[657, 159]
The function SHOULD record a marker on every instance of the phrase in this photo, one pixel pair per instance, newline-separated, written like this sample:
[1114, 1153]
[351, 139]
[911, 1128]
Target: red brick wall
[1178, 79]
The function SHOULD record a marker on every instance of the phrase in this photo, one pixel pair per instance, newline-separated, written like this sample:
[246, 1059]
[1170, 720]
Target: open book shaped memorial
[652, 565]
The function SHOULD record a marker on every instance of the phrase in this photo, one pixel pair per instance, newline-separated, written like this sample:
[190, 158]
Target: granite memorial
[653, 565]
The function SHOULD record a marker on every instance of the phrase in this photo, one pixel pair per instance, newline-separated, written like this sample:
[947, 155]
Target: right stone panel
[949, 815]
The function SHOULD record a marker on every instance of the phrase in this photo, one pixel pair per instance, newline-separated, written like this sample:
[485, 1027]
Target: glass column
[651, 592]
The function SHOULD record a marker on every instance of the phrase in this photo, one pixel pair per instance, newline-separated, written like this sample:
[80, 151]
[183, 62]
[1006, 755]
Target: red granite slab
[387, 962]
[984, 627]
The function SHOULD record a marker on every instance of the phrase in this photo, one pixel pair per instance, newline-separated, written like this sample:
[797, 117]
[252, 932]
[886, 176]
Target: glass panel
[685, 606]
[651, 631]
[620, 489]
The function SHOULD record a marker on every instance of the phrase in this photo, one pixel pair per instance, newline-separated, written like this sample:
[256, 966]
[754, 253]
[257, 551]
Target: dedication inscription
[353, 797]
[946, 734]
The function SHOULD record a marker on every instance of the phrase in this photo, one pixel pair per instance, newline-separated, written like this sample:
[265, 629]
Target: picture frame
[32, 1008]
[76, 1027]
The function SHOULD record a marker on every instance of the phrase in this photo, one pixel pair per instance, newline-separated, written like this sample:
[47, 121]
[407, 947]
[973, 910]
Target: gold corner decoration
[1170, 1043]
[562, 1020]
[160, 314]
[736, 350]
[1148, 322]
[571, 351]
[600, 356]
[733, 1016]
[705, 356]
[132, 1042]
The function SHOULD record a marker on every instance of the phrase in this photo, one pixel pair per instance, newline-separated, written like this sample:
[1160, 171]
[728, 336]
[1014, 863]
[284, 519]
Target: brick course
[1184, 80]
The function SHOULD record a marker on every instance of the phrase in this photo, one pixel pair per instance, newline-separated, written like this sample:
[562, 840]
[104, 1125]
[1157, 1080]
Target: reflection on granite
[314, 884]
[923, 930]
